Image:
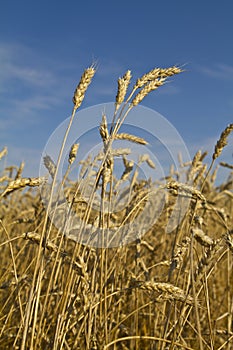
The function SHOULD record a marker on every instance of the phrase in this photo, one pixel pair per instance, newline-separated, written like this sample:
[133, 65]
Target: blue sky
[45, 45]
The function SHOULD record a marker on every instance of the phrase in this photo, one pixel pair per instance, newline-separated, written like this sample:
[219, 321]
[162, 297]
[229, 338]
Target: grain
[222, 142]
[103, 129]
[50, 165]
[179, 189]
[167, 290]
[123, 84]
[229, 239]
[202, 238]
[157, 73]
[131, 138]
[82, 87]
[20, 171]
[73, 153]
[60, 288]
[21, 183]
[3, 152]
[226, 165]
[153, 85]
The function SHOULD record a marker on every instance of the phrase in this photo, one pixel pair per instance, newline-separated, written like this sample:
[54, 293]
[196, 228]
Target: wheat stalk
[79, 266]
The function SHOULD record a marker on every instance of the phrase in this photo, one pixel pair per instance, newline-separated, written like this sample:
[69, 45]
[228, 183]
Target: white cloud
[219, 70]
[27, 86]
[17, 65]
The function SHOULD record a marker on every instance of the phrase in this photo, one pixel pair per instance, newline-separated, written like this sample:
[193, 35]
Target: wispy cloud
[27, 86]
[219, 70]
[16, 66]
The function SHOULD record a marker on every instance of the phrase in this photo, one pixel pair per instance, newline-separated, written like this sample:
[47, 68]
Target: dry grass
[161, 291]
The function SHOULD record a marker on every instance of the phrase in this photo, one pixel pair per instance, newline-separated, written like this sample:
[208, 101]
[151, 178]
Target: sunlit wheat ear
[200, 175]
[183, 190]
[208, 257]
[129, 164]
[226, 165]
[204, 154]
[167, 290]
[103, 129]
[202, 237]
[180, 252]
[73, 153]
[3, 178]
[222, 142]
[214, 175]
[229, 240]
[78, 265]
[20, 171]
[3, 152]
[118, 152]
[132, 138]
[153, 85]
[123, 84]
[196, 159]
[146, 158]
[50, 165]
[21, 183]
[155, 74]
[82, 86]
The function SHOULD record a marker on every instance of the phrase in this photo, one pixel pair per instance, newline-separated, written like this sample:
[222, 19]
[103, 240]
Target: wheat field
[121, 289]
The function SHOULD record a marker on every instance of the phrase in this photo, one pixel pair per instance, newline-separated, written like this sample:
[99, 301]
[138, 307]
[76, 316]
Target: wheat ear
[3, 152]
[82, 86]
[222, 142]
[155, 74]
[21, 183]
[153, 85]
[132, 138]
[167, 290]
[123, 84]
[177, 188]
[73, 153]
[226, 165]
[50, 165]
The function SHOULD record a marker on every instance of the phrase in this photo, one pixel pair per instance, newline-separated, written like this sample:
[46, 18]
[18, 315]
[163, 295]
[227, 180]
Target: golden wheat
[160, 289]
[83, 86]
[123, 84]
[222, 142]
[73, 153]
[151, 86]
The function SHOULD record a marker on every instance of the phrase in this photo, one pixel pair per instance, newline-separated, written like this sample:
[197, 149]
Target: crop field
[90, 263]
